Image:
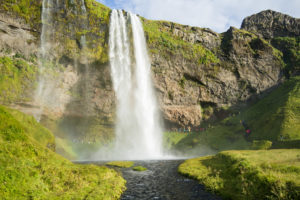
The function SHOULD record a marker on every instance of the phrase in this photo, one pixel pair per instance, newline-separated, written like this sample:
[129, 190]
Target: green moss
[99, 10]
[272, 174]
[99, 16]
[181, 82]
[261, 144]
[17, 79]
[161, 40]
[29, 10]
[29, 170]
[121, 164]
[290, 48]
[139, 168]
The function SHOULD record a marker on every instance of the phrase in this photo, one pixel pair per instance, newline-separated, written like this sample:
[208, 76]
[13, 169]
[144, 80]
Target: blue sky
[215, 14]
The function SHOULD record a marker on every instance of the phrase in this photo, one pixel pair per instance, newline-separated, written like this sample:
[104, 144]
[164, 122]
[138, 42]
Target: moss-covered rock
[290, 47]
[162, 38]
[17, 79]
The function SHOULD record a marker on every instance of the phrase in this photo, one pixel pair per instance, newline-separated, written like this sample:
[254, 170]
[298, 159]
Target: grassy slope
[275, 117]
[264, 174]
[29, 170]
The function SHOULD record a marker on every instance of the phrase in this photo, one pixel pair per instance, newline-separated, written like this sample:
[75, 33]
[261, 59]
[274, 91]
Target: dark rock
[270, 24]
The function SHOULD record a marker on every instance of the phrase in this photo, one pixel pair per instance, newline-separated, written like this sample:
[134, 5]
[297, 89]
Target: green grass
[17, 78]
[162, 41]
[139, 168]
[172, 138]
[263, 174]
[121, 164]
[276, 118]
[30, 170]
[261, 145]
[276, 115]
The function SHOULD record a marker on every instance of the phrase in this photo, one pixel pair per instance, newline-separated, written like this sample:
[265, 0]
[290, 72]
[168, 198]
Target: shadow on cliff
[275, 117]
[85, 126]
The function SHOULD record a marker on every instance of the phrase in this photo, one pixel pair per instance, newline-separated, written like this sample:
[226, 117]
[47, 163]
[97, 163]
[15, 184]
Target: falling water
[83, 38]
[44, 88]
[138, 131]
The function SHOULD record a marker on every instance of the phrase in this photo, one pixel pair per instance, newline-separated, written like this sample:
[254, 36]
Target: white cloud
[215, 14]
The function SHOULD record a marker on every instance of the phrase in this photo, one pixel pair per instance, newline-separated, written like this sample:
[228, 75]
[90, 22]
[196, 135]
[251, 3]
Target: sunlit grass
[264, 174]
[121, 164]
[30, 170]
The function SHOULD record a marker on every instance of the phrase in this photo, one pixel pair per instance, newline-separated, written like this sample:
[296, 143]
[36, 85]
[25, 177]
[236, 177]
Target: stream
[161, 182]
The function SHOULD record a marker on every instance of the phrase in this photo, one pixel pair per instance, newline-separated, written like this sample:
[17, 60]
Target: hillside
[275, 117]
[272, 174]
[29, 169]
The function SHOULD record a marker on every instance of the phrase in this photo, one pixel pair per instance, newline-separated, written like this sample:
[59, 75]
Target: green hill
[30, 170]
[264, 174]
[275, 117]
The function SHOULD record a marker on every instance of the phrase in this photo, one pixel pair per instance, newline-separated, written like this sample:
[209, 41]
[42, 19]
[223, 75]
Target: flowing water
[138, 130]
[161, 181]
[44, 88]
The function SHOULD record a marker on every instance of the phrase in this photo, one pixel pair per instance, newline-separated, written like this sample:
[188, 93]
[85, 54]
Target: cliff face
[198, 74]
[270, 24]
[224, 70]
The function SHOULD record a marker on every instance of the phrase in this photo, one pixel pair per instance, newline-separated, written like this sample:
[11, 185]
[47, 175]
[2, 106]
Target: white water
[138, 131]
[44, 88]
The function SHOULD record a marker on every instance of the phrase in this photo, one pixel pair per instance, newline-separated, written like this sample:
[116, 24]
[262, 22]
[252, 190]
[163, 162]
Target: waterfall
[44, 89]
[138, 131]
[83, 38]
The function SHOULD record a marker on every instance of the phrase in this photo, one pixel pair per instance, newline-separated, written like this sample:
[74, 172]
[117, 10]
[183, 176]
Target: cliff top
[270, 24]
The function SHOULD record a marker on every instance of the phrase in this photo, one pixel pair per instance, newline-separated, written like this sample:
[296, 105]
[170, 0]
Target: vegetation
[290, 48]
[29, 10]
[271, 174]
[17, 78]
[276, 118]
[30, 170]
[121, 164]
[261, 144]
[98, 36]
[170, 139]
[254, 43]
[161, 40]
[139, 168]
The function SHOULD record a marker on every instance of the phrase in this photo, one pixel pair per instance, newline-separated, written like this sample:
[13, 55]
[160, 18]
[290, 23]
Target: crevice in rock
[194, 79]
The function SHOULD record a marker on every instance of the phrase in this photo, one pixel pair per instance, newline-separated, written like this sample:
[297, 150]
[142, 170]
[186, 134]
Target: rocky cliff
[270, 24]
[198, 74]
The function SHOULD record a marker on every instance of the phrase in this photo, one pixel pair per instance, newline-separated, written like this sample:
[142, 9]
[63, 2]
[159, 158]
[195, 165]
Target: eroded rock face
[270, 24]
[16, 36]
[188, 91]
[194, 35]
